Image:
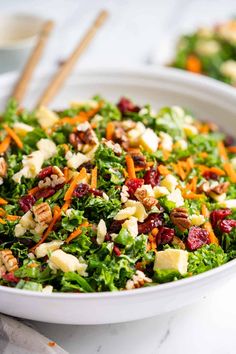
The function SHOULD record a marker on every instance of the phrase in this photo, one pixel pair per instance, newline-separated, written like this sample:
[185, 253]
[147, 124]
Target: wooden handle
[21, 85]
[67, 67]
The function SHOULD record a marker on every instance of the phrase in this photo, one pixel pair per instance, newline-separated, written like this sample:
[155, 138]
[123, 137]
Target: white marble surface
[135, 34]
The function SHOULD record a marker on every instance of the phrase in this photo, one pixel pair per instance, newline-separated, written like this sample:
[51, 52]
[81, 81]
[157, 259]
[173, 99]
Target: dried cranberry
[87, 165]
[133, 184]
[197, 237]
[27, 202]
[45, 172]
[125, 105]
[108, 237]
[152, 221]
[218, 215]
[117, 250]
[227, 225]
[152, 177]
[45, 193]
[116, 226]
[10, 277]
[165, 235]
[210, 175]
[81, 190]
[229, 140]
[96, 192]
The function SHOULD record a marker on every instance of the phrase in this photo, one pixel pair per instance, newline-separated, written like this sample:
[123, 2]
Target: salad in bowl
[107, 197]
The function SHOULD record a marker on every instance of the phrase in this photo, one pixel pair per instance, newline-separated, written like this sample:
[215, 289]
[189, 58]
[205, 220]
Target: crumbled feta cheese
[47, 147]
[196, 220]
[170, 182]
[230, 203]
[124, 194]
[46, 117]
[172, 259]
[19, 230]
[45, 248]
[76, 160]
[140, 212]
[135, 133]
[160, 191]
[166, 141]
[176, 198]
[132, 226]
[125, 213]
[66, 262]
[228, 68]
[149, 140]
[22, 129]
[101, 231]
[190, 130]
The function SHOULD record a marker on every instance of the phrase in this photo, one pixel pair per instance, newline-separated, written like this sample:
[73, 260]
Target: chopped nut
[179, 217]
[148, 201]
[220, 188]
[124, 194]
[8, 260]
[137, 281]
[116, 148]
[3, 167]
[178, 242]
[57, 171]
[42, 213]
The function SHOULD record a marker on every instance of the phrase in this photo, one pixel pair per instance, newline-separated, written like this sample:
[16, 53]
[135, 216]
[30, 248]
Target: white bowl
[208, 99]
[18, 34]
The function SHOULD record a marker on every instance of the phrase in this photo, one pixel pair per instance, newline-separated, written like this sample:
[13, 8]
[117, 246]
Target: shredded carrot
[110, 129]
[215, 170]
[2, 221]
[80, 118]
[155, 231]
[222, 150]
[230, 171]
[212, 236]
[66, 174]
[205, 211]
[65, 206]
[94, 177]
[2, 212]
[56, 216]
[77, 232]
[13, 217]
[166, 154]
[80, 176]
[203, 154]
[192, 186]
[163, 170]
[34, 190]
[13, 135]
[189, 163]
[193, 64]
[130, 166]
[152, 241]
[3, 201]
[5, 144]
[192, 195]
[204, 128]
[232, 149]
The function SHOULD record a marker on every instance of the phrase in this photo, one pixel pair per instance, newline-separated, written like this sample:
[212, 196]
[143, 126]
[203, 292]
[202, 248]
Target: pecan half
[8, 260]
[42, 213]
[179, 217]
[3, 167]
[147, 201]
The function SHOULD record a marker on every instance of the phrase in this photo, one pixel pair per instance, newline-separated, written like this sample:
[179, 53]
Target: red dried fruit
[165, 235]
[227, 225]
[96, 192]
[45, 193]
[197, 237]
[81, 190]
[26, 202]
[45, 172]
[10, 277]
[133, 184]
[125, 105]
[152, 221]
[108, 237]
[210, 175]
[152, 177]
[116, 226]
[229, 140]
[218, 215]
[117, 250]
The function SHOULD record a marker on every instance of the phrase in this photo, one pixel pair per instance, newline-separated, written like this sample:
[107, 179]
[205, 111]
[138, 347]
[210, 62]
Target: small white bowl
[18, 34]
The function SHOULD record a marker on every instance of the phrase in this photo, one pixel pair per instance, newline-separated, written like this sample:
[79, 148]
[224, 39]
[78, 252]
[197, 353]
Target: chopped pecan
[178, 242]
[8, 260]
[3, 167]
[147, 201]
[138, 157]
[137, 281]
[42, 213]
[220, 188]
[179, 217]
[120, 137]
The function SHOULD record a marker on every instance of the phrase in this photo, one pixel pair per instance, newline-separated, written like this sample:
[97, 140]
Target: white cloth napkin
[18, 338]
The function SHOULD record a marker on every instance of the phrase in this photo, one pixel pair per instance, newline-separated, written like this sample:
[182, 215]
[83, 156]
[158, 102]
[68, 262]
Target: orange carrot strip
[34, 190]
[110, 129]
[5, 144]
[193, 64]
[66, 174]
[213, 239]
[65, 206]
[13, 217]
[232, 149]
[166, 154]
[203, 154]
[2, 212]
[80, 176]
[192, 195]
[216, 170]
[3, 201]
[13, 135]
[230, 171]
[163, 170]
[77, 232]
[80, 118]
[205, 211]
[130, 166]
[222, 150]
[94, 177]
[2, 221]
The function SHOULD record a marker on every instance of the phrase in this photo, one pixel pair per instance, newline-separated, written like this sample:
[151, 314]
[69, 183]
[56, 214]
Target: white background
[137, 33]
